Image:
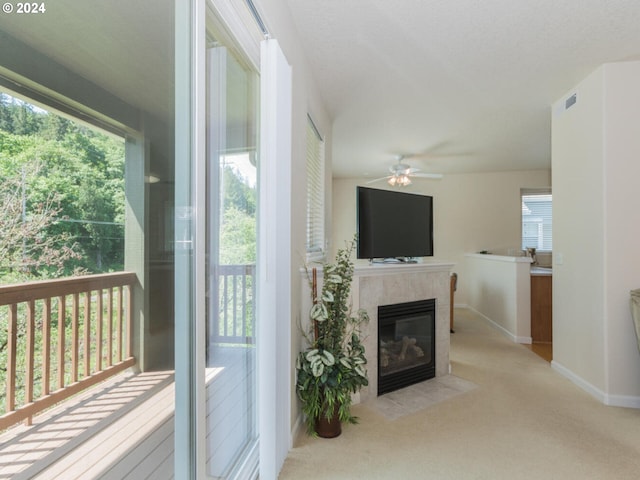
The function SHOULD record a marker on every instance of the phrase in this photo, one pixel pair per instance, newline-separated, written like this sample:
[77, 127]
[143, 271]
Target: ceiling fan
[401, 173]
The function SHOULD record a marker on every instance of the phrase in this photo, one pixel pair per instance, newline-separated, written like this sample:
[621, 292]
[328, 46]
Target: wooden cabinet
[541, 308]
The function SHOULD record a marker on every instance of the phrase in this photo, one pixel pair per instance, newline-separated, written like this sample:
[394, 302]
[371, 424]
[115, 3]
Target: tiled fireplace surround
[384, 284]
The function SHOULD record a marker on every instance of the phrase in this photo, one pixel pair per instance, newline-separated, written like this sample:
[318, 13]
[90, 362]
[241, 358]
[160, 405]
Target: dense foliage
[61, 214]
[333, 366]
[61, 196]
[238, 223]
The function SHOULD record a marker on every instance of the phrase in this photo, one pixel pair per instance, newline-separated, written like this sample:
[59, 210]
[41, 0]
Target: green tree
[6, 113]
[238, 227]
[86, 170]
[54, 127]
[25, 120]
[238, 238]
[27, 250]
[237, 193]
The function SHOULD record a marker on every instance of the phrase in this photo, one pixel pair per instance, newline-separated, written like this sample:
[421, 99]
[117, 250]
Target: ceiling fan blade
[428, 175]
[378, 179]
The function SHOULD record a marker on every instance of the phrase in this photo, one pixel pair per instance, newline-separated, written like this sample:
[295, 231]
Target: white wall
[578, 233]
[472, 212]
[622, 224]
[595, 152]
[500, 290]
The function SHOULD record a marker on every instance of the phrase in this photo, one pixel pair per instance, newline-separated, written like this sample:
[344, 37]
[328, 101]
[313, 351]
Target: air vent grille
[569, 102]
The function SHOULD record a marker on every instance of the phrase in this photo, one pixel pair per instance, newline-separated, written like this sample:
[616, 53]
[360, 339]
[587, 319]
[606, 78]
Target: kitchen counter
[541, 271]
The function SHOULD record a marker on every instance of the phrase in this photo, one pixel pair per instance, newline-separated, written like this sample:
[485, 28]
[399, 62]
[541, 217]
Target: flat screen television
[393, 225]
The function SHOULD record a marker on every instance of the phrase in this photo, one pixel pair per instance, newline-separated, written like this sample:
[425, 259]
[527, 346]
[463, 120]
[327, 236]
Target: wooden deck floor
[121, 429]
[124, 427]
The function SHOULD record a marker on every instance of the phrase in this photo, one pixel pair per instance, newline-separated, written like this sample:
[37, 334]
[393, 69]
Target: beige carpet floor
[518, 420]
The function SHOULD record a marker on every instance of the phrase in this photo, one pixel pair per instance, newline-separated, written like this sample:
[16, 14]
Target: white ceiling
[465, 85]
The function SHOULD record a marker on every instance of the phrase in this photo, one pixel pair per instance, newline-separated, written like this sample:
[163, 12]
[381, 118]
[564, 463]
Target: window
[315, 192]
[536, 219]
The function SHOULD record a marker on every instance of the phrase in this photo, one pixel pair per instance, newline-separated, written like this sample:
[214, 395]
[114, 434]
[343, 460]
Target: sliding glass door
[232, 201]
[217, 98]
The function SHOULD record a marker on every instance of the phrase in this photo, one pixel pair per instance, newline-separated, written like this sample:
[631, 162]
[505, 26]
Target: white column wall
[622, 229]
[595, 149]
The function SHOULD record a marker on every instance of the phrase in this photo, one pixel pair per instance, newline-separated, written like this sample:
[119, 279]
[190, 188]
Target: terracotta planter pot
[329, 428]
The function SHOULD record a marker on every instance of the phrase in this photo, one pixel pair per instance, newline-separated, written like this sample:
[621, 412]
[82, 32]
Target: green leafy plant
[333, 366]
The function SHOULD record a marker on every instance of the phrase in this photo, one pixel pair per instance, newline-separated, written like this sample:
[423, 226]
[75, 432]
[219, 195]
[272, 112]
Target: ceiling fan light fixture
[400, 180]
[401, 173]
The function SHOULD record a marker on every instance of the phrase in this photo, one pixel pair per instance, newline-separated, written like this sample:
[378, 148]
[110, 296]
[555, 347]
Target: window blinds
[537, 219]
[315, 191]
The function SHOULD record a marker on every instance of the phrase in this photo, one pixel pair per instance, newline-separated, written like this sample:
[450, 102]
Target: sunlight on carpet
[419, 396]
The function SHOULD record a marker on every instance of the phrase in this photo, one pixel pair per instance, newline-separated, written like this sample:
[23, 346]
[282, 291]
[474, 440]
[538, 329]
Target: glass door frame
[191, 17]
[190, 268]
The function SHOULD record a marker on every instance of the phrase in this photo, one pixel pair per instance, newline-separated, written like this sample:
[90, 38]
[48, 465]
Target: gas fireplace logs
[396, 352]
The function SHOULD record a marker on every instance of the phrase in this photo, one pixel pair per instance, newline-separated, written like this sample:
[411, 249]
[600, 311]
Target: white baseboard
[579, 381]
[297, 429]
[504, 331]
[627, 401]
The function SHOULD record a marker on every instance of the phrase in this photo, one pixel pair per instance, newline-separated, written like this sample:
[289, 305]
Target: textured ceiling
[464, 85]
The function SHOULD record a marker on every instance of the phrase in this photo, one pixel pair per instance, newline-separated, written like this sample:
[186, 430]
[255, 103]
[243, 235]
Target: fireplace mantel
[386, 284]
[367, 269]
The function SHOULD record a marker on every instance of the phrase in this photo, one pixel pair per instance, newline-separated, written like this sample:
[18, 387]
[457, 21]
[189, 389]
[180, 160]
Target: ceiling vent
[571, 101]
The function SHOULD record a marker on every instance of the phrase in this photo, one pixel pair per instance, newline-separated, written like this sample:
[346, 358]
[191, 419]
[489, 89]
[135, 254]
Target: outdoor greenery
[333, 365]
[61, 196]
[238, 247]
[238, 226]
[62, 207]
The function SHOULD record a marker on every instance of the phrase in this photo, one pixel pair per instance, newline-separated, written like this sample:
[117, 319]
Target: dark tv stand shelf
[393, 260]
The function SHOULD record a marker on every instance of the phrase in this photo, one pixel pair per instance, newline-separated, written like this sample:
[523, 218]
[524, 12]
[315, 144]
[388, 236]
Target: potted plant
[332, 367]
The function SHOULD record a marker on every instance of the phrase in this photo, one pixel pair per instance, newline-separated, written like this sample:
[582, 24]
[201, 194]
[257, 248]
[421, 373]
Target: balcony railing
[87, 320]
[233, 322]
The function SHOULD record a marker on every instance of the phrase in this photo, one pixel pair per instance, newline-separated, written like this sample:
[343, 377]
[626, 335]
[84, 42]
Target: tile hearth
[419, 396]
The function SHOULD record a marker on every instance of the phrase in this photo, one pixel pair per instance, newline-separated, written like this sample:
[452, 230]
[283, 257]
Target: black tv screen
[394, 224]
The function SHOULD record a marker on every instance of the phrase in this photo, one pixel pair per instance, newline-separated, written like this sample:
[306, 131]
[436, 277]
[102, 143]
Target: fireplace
[406, 344]
[385, 284]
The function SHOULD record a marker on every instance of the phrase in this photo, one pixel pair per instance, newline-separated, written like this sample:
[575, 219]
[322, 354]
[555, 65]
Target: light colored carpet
[522, 421]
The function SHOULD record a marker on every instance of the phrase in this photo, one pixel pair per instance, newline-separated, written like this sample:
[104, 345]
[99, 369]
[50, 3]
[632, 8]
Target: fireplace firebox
[406, 344]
